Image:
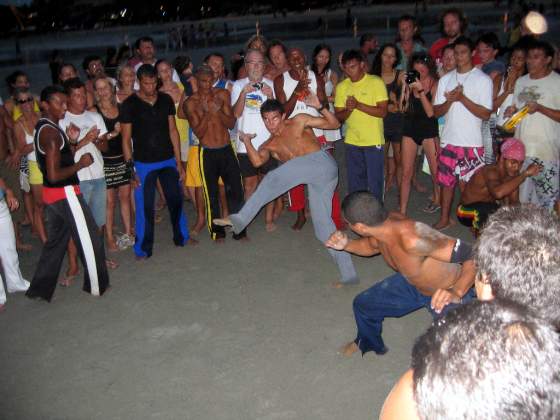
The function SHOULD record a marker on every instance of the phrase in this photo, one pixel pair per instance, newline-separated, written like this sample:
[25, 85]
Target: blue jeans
[144, 197]
[94, 192]
[393, 297]
[364, 165]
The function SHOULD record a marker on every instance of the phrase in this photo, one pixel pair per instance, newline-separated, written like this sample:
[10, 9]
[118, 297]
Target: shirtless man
[432, 269]
[493, 183]
[210, 116]
[292, 141]
[291, 88]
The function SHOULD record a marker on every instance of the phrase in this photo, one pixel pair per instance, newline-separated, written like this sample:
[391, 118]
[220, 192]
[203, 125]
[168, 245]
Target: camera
[411, 76]
[258, 85]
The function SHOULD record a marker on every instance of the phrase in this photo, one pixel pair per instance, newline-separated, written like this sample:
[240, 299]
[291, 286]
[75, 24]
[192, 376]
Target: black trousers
[215, 164]
[67, 218]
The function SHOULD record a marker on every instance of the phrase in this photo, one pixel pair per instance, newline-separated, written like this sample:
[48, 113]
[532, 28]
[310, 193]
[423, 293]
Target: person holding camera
[420, 127]
[247, 96]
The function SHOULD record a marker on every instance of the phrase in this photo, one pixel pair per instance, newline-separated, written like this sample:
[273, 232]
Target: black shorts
[248, 170]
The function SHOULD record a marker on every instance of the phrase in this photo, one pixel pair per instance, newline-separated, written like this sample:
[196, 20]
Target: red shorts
[458, 160]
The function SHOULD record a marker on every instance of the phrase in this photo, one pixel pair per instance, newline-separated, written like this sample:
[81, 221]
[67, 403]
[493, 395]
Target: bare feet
[111, 264]
[444, 224]
[196, 229]
[67, 280]
[160, 205]
[112, 245]
[224, 221]
[349, 349]
[192, 242]
[340, 284]
[158, 218]
[300, 222]
[271, 227]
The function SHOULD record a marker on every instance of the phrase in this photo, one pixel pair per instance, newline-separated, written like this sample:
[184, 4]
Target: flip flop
[67, 280]
[431, 207]
[111, 264]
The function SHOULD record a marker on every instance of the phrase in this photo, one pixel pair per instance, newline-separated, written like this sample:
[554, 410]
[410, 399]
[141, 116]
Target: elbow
[430, 113]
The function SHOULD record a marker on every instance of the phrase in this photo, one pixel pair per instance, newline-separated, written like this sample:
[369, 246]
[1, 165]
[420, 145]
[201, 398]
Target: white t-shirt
[462, 128]
[85, 122]
[539, 133]
[251, 122]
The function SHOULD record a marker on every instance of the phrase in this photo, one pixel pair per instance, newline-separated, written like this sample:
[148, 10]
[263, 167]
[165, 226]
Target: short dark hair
[350, 55]
[276, 43]
[405, 18]
[12, 78]
[363, 207]
[213, 54]
[181, 62]
[447, 47]
[88, 59]
[146, 70]
[517, 253]
[544, 46]
[143, 39]
[72, 84]
[487, 360]
[490, 39]
[459, 14]
[67, 65]
[272, 105]
[366, 38]
[464, 40]
[48, 92]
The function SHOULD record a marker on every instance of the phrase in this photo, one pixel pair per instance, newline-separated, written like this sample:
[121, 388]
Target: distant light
[123, 12]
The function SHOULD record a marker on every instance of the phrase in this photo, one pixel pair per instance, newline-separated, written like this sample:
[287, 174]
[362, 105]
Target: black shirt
[66, 155]
[114, 146]
[150, 127]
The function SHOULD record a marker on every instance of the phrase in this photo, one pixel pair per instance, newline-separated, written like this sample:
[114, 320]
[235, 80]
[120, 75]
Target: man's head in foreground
[484, 360]
[362, 210]
[518, 258]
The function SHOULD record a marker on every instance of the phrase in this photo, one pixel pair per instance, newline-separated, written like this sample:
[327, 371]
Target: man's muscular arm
[500, 190]
[49, 141]
[225, 112]
[257, 158]
[327, 121]
[364, 247]
[430, 243]
[198, 123]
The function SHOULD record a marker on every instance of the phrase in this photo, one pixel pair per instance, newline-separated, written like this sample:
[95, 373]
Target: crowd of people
[262, 133]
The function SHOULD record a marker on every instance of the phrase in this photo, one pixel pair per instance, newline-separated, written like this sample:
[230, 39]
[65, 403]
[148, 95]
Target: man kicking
[432, 269]
[292, 141]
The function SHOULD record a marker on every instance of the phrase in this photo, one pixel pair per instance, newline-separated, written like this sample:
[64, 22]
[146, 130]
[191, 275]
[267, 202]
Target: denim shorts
[94, 192]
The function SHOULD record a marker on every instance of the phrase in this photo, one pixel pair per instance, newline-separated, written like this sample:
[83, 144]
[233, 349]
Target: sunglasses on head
[24, 101]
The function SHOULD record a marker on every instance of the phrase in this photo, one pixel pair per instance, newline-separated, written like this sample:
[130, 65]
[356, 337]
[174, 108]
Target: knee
[359, 301]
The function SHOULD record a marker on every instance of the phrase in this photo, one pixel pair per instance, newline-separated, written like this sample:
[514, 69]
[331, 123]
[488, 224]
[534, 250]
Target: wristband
[462, 251]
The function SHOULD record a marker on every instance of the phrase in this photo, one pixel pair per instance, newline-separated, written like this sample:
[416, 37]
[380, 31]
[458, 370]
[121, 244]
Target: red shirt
[437, 47]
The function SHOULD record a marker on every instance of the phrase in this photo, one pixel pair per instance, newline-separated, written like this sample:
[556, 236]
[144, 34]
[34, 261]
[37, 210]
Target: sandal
[431, 207]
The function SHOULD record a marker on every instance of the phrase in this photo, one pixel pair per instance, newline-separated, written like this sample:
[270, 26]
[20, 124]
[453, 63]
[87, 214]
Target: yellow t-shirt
[362, 129]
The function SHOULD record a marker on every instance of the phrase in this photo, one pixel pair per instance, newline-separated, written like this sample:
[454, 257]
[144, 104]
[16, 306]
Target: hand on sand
[441, 298]
[338, 240]
[222, 222]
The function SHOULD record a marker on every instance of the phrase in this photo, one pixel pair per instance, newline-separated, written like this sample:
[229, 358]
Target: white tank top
[29, 140]
[330, 135]
[301, 108]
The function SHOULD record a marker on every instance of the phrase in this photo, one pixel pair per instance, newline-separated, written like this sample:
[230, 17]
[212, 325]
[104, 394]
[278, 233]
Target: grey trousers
[319, 171]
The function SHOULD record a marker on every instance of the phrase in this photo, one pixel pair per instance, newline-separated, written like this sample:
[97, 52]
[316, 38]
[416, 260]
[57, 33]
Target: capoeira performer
[292, 141]
[66, 213]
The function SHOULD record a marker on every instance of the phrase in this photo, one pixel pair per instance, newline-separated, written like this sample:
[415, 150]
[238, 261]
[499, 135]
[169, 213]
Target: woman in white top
[321, 66]
[24, 128]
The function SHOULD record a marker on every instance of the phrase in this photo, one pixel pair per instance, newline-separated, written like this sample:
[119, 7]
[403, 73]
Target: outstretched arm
[364, 247]
[257, 158]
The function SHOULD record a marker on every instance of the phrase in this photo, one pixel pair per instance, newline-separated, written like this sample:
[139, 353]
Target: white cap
[536, 23]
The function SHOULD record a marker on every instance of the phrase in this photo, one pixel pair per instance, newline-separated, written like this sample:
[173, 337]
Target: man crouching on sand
[432, 270]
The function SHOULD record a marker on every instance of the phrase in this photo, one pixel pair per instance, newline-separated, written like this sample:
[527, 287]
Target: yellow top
[182, 124]
[16, 111]
[362, 129]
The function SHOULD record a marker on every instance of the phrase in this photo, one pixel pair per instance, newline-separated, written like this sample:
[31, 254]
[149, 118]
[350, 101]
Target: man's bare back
[405, 247]
[476, 190]
[210, 115]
